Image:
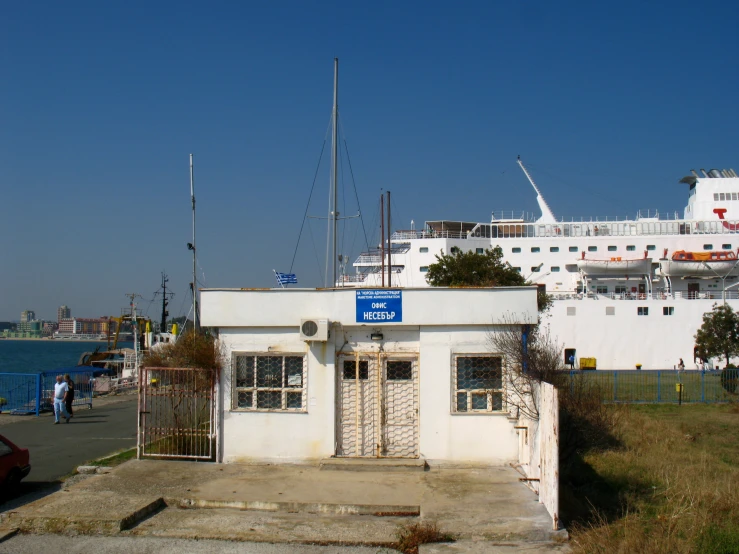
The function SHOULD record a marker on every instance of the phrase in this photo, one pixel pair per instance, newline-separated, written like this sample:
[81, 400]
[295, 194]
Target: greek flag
[286, 279]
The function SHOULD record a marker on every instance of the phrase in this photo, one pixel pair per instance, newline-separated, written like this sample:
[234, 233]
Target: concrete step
[374, 464]
[378, 510]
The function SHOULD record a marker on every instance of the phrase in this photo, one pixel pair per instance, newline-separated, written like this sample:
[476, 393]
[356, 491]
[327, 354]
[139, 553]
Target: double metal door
[377, 405]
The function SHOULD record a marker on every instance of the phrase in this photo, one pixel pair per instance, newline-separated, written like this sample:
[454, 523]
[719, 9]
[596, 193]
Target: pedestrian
[60, 393]
[681, 365]
[571, 361]
[70, 394]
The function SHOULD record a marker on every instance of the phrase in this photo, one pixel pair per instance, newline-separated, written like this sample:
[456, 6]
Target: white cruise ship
[626, 292]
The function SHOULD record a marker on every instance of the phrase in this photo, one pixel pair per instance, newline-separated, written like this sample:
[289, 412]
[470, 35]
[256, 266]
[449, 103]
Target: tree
[719, 334]
[469, 269]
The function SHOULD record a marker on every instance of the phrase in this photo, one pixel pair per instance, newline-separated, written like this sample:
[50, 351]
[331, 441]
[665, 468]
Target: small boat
[615, 266]
[706, 265]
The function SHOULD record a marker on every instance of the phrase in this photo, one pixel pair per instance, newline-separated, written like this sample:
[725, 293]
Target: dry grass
[411, 536]
[670, 486]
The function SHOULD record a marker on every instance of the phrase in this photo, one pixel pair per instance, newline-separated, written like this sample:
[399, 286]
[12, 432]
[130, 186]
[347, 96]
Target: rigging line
[307, 206]
[356, 194]
[184, 297]
[318, 261]
[345, 222]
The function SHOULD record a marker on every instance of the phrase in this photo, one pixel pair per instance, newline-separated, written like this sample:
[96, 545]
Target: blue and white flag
[286, 279]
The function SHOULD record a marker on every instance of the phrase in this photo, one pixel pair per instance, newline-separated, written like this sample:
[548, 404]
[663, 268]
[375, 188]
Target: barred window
[268, 382]
[478, 384]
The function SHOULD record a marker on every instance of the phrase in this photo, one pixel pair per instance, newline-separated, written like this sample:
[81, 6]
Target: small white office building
[405, 373]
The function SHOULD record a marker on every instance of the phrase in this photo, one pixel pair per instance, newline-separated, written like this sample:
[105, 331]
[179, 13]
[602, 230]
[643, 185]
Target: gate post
[38, 394]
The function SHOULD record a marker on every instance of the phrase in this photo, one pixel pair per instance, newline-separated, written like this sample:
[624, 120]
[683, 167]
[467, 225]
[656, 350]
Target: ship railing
[356, 278]
[635, 228]
[429, 234]
[684, 295]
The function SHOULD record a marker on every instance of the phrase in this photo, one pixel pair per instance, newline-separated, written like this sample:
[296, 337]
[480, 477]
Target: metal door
[176, 413]
[377, 405]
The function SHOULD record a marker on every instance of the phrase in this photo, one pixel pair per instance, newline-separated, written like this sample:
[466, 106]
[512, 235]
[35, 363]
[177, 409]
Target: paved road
[56, 450]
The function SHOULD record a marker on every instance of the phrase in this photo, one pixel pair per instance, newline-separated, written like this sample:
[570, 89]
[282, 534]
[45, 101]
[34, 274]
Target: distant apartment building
[63, 313]
[83, 326]
[27, 316]
[49, 328]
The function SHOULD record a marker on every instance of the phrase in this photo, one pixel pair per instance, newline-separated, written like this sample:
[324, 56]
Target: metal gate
[377, 405]
[176, 413]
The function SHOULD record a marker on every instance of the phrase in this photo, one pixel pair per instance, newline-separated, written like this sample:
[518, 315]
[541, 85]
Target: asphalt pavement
[57, 450]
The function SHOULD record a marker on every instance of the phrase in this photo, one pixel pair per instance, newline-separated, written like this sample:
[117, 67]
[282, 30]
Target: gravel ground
[32, 544]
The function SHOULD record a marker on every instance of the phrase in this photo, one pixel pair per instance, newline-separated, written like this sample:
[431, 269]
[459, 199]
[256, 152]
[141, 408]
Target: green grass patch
[670, 485]
[114, 460]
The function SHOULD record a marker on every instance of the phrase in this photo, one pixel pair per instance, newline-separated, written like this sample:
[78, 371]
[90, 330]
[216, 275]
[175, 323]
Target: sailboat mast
[335, 165]
[382, 238]
[194, 253]
[389, 246]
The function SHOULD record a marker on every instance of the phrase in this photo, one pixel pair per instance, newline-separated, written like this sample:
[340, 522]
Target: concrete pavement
[481, 506]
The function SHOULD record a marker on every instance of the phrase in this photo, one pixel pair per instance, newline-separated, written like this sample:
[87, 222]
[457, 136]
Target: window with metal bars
[478, 384]
[263, 382]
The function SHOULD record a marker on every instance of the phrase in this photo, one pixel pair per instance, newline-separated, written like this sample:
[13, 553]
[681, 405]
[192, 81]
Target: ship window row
[642, 310]
[724, 196]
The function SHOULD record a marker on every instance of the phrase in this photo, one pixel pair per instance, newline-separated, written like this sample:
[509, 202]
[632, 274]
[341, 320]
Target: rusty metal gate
[176, 413]
[377, 405]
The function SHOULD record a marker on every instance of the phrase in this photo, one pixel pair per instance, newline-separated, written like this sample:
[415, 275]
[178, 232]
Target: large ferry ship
[626, 292]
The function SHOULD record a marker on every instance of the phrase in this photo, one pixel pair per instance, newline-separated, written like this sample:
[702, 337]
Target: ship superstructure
[602, 260]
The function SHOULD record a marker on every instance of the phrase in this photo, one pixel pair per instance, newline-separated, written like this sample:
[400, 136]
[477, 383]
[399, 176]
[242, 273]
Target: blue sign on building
[379, 306]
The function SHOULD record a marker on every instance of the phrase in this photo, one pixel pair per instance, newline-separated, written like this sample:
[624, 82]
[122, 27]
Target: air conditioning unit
[314, 330]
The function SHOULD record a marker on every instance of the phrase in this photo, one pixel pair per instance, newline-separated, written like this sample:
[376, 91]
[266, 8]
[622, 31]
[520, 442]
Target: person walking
[60, 393]
[69, 398]
[681, 365]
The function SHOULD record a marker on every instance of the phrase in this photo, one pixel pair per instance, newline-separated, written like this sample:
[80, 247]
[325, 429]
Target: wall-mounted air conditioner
[314, 330]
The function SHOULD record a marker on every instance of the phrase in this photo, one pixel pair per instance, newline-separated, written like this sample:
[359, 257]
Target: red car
[14, 464]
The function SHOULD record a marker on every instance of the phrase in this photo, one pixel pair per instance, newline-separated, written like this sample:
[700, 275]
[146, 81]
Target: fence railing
[33, 393]
[652, 386]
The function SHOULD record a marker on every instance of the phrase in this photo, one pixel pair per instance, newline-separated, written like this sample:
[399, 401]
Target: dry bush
[195, 350]
[411, 536]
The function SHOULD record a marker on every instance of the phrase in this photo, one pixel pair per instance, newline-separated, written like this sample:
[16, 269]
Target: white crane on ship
[546, 213]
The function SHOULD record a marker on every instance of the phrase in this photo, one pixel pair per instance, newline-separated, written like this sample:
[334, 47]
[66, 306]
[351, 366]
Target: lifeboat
[615, 267]
[706, 265]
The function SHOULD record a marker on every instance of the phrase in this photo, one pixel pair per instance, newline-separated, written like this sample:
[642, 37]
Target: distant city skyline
[609, 105]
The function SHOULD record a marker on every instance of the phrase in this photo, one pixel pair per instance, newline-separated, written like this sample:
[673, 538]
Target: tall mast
[194, 253]
[335, 165]
[163, 325]
[389, 246]
[382, 237]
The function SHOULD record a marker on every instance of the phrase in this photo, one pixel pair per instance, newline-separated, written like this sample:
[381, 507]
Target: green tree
[719, 334]
[469, 269]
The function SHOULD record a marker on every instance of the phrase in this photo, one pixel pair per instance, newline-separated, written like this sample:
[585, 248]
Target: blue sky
[609, 104]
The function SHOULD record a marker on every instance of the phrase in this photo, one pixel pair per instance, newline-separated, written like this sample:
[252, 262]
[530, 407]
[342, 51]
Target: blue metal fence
[32, 393]
[19, 393]
[651, 386]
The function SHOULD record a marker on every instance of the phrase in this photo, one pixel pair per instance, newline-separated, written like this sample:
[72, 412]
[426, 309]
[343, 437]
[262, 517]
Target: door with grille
[377, 405]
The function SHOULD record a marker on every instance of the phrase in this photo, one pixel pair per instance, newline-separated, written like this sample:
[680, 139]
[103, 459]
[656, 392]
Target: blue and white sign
[379, 306]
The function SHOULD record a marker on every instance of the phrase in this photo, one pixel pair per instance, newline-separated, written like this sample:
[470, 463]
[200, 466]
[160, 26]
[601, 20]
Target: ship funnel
[174, 329]
[715, 173]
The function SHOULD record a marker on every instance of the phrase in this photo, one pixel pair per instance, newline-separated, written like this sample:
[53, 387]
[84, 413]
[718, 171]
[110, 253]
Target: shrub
[411, 536]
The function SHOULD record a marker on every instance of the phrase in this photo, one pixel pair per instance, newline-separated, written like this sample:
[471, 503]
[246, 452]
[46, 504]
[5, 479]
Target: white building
[364, 373]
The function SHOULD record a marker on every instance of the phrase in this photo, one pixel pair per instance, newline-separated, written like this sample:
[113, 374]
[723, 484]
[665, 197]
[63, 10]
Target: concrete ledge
[374, 464]
[7, 532]
[485, 547]
[83, 513]
[302, 507]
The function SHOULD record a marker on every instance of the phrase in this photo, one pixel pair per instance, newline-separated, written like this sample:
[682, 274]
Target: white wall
[449, 436]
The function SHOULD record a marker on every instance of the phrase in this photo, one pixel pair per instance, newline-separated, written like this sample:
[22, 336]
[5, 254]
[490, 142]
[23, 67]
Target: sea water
[32, 356]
